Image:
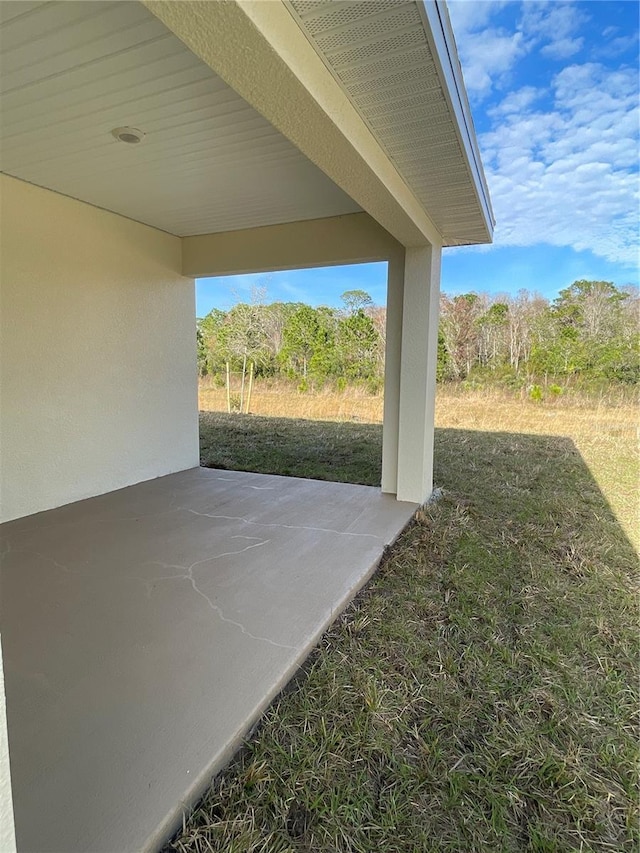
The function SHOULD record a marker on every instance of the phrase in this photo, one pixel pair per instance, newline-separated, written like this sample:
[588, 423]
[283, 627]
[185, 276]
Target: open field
[605, 432]
[280, 400]
[482, 693]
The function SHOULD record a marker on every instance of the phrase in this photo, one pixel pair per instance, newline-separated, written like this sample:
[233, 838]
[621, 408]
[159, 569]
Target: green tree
[358, 343]
[325, 361]
[590, 333]
[210, 354]
[443, 369]
[492, 335]
[593, 308]
[309, 343]
[356, 300]
[300, 338]
[244, 334]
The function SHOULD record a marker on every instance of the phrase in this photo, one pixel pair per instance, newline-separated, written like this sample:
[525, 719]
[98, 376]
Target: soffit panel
[71, 72]
[379, 53]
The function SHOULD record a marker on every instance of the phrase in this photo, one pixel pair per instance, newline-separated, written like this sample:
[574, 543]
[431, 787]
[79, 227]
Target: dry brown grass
[605, 431]
[283, 401]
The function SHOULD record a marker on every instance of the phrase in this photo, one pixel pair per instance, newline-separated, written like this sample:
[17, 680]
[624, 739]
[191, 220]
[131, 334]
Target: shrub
[374, 385]
[535, 393]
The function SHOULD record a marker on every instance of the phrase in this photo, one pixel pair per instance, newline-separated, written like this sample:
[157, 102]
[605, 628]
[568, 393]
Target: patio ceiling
[72, 72]
[214, 158]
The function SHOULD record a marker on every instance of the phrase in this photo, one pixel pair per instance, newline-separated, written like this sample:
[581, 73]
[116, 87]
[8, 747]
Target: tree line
[590, 332]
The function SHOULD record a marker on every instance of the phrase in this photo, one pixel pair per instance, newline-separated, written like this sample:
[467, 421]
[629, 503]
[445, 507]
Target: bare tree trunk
[250, 386]
[244, 371]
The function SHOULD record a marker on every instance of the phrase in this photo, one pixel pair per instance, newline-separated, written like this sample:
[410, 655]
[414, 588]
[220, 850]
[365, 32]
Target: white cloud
[561, 157]
[469, 15]
[562, 48]
[557, 20]
[487, 53]
[294, 292]
[568, 176]
[552, 28]
[616, 46]
[516, 102]
[487, 56]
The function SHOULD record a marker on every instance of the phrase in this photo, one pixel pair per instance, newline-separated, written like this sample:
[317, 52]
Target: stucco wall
[97, 352]
[350, 239]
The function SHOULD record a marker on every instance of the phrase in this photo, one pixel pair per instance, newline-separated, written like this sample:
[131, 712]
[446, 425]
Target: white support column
[392, 362]
[7, 827]
[418, 373]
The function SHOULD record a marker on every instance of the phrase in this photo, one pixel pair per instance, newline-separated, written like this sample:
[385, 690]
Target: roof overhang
[433, 192]
[398, 64]
[443, 47]
[254, 119]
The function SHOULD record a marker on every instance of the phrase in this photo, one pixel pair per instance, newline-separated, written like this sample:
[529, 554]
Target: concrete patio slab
[145, 630]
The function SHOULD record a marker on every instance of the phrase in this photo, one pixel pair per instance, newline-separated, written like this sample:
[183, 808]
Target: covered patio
[145, 630]
[149, 610]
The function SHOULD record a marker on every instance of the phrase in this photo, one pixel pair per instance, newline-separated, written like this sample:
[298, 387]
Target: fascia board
[443, 47]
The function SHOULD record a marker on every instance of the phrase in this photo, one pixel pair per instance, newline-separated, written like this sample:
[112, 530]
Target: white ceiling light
[130, 135]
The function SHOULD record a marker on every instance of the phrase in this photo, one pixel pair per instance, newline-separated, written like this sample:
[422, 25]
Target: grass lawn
[481, 693]
[340, 452]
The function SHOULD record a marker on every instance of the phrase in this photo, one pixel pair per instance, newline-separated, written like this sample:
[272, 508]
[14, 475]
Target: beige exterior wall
[98, 384]
[350, 239]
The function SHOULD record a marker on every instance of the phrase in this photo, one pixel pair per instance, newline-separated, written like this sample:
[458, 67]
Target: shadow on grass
[342, 452]
[480, 694]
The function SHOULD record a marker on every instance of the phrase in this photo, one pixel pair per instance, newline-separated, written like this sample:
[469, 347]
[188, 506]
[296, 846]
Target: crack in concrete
[47, 559]
[188, 576]
[240, 536]
[282, 526]
[245, 485]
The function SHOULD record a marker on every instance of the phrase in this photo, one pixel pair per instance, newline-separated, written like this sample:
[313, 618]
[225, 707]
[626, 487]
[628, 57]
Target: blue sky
[553, 88]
